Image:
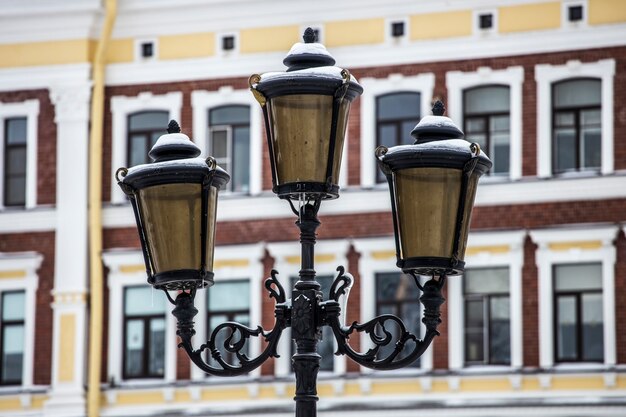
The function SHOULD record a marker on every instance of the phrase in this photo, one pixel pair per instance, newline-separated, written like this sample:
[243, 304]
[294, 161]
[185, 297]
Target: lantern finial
[309, 36]
[173, 127]
[438, 108]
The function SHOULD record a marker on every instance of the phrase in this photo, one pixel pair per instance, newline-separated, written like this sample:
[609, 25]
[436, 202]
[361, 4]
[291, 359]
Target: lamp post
[432, 186]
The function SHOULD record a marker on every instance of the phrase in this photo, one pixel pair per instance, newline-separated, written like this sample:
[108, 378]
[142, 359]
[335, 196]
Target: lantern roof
[176, 160]
[436, 126]
[310, 70]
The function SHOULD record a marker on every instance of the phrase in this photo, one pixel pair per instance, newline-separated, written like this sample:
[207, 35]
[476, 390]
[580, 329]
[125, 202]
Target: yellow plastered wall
[120, 50]
[187, 46]
[606, 11]
[528, 17]
[485, 385]
[271, 39]
[67, 324]
[13, 273]
[45, 53]
[441, 25]
[354, 32]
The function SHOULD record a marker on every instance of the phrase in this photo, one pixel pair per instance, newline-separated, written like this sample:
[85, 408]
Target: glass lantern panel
[427, 201]
[472, 185]
[301, 139]
[171, 217]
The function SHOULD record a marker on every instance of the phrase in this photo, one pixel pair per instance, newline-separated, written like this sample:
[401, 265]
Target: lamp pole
[306, 112]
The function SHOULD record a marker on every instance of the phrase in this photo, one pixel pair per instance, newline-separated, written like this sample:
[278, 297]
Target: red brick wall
[620, 297]
[46, 141]
[42, 243]
[530, 306]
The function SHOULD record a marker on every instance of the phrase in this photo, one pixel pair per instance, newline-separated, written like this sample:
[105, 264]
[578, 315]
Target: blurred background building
[537, 326]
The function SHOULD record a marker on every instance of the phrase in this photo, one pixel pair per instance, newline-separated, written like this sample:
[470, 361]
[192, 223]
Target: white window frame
[121, 108]
[545, 76]
[285, 254]
[30, 110]
[202, 101]
[117, 280]
[375, 87]
[27, 264]
[512, 77]
[372, 262]
[233, 270]
[546, 257]
[513, 259]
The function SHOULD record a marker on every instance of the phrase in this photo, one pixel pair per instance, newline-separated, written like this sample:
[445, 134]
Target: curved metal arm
[431, 299]
[235, 342]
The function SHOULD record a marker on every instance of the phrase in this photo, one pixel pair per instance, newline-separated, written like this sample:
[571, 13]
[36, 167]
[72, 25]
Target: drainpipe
[95, 212]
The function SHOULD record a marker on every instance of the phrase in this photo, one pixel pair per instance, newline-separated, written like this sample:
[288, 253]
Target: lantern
[175, 200]
[306, 114]
[432, 185]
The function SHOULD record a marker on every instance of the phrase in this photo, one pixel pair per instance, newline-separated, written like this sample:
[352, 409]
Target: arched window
[396, 115]
[577, 127]
[486, 121]
[229, 143]
[144, 128]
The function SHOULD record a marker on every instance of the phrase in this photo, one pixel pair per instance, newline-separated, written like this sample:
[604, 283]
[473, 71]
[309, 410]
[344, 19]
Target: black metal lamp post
[432, 185]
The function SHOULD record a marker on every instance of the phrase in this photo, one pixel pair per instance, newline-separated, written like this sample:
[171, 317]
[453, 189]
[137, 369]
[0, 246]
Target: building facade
[536, 325]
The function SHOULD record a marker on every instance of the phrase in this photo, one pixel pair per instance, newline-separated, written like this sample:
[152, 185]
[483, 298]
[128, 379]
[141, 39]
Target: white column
[67, 393]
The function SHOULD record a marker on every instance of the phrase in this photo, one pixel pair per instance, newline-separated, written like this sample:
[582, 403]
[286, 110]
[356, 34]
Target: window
[15, 161]
[144, 128]
[578, 313]
[147, 49]
[487, 122]
[575, 13]
[396, 116]
[326, 346]
[577, 125]
[227, 301]
[485, 21]
[397, 29]
[228, 43]
[229, 143]
[12, 337]
[144, 333]
[397, 294]
[487, 316]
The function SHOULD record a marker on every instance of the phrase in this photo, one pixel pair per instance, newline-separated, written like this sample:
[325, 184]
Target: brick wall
[42, 243]
[530, 306]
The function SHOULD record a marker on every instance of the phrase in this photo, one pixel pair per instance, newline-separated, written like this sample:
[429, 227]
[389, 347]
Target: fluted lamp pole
[432, 187]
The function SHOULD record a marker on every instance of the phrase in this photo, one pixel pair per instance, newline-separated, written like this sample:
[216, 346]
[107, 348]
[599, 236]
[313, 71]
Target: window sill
[140, 383]
[580, 367]
[486, 369]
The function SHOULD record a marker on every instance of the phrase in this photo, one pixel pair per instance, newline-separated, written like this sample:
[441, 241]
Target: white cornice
[31, 78]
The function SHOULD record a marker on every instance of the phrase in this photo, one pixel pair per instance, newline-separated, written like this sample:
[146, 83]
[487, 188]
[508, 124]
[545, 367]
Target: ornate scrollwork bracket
[237, 335]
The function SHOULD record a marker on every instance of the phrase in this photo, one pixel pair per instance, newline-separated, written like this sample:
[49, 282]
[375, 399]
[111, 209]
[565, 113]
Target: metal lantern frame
[301, 79]
[307, 312]
[429, 151]
[164, 172]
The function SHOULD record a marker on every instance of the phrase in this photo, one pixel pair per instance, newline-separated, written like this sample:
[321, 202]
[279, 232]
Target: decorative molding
[71, 102]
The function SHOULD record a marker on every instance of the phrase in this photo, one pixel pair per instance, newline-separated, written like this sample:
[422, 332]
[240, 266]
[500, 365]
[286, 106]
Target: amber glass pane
[171, 215]
[472, 185]
[301, 127]
[427, 202]
[210, 228]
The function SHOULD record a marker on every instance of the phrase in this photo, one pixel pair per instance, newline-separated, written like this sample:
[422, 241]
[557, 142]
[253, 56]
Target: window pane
[475, 124]
[593, 334]
[154, 120]
[15, 131]
[566, 328]
[395, 286]
[15, 192]
[565, 149]
[229, 115]
[486, 280]
[16, 161]
[387, 135]
[12, 353]
[500, 331]
[326, 349]
[475, 313]
[241, 150]
[219, 143]
[492, 99]
[578, 277]
[229, 296]
[153, 139]
[141, 301]
[591, 147]
[405, 132]
[590, 117]
[499, 123]
[500, 153]
[13, 306]
[398, 106]
[565, 119]
[157, 347]
[577, 93]
[138, 148]
[134, 347]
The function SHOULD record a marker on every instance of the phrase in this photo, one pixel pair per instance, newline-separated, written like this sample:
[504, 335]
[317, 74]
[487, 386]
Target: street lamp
[432, 185]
